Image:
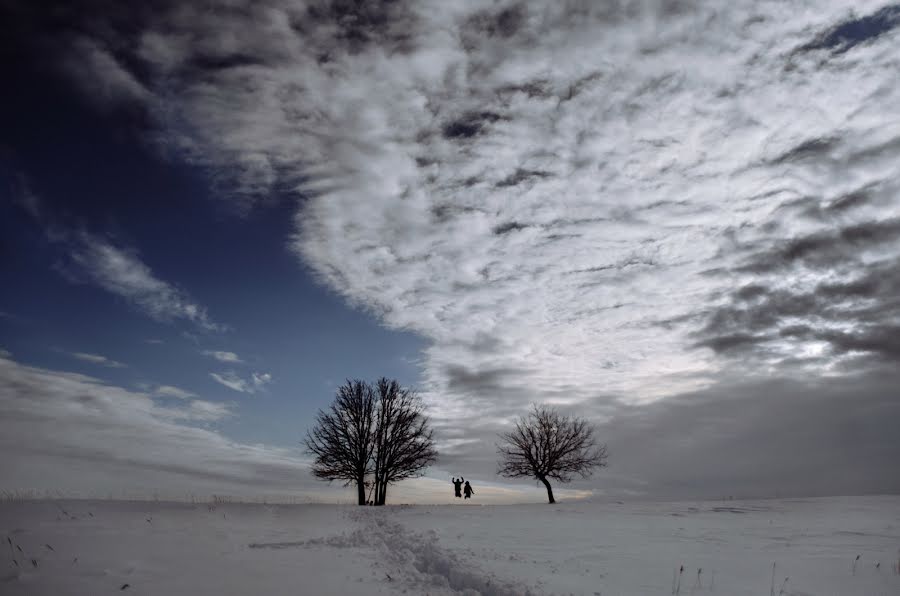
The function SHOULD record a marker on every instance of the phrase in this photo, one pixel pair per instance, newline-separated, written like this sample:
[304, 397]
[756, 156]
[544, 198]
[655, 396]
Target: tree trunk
[549, 490]
[361, 490]
[382, 493]
[376, 480]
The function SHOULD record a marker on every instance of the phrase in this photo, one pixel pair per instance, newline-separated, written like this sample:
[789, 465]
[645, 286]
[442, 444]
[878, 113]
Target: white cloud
[207, 411]
[232, 380]
[97, 359]
[121, 272]
[261, 379]
[171, 391]
[545, 215]
[223, 356]
[5, 353]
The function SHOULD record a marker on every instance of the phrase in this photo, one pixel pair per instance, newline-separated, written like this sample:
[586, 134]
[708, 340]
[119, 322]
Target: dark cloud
[470, 124]
[849, 201]
[856, 313]
[522, 175]
[732, 342]
[503, 23]
[582, 84]
[213, 62]
[357, 25]
[446, 212]
[809, 149]
[842, 205]
[761, 439]
[826, 248]
[511, 226]
[486, 381]
[536, 88]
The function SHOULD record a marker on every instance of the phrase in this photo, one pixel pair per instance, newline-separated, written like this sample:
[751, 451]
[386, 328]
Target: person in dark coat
[468, 490]
[457, 486]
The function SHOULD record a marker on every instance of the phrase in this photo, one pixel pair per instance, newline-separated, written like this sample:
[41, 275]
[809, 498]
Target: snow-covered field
[727, 548]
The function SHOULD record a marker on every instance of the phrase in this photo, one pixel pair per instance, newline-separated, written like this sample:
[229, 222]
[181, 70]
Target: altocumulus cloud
[597, 203]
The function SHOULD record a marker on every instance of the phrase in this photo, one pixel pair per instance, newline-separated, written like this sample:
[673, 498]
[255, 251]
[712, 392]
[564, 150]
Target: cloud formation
[223, 356]
[582, 203]
[232, 380]
[478, 176]
[120, 271]
[172, 391]
[117, 268]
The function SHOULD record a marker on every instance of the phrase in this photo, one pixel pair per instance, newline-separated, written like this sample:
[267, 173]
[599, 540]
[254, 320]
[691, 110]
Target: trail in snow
[422, 561]
[414, 561]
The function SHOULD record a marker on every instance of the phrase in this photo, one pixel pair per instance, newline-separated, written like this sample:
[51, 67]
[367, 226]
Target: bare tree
[545, 444]
[403, 442]
[342, 440]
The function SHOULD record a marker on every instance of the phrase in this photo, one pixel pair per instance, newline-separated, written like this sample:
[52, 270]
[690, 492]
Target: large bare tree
[548, 445]
[403, 442]
[342, 440]
[379, 432]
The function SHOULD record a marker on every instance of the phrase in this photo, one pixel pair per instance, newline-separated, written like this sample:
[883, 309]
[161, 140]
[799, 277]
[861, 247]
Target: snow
[726, 548]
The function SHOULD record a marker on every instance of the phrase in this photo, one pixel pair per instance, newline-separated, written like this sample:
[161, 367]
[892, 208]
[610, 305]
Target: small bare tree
[545, 444]
[342, 440]
[403, 442]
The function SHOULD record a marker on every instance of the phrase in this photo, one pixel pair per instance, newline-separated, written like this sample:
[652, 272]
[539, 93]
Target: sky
[677, 219]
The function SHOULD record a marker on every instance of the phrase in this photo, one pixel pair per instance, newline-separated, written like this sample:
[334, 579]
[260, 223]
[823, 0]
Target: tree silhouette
[404, 444]
[342, 439]
[545, 444]
[379, 431]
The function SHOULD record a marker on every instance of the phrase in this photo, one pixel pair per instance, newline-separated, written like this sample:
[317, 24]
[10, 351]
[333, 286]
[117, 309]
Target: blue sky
[679, 221]
[93, 173]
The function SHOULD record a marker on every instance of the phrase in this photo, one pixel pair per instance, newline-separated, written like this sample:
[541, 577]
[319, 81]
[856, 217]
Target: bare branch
[380, 432]
[341, 440]
[545, 444]
[404, 445]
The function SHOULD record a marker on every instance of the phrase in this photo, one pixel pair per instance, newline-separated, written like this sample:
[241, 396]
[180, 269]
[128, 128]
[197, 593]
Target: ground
[733, 548]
